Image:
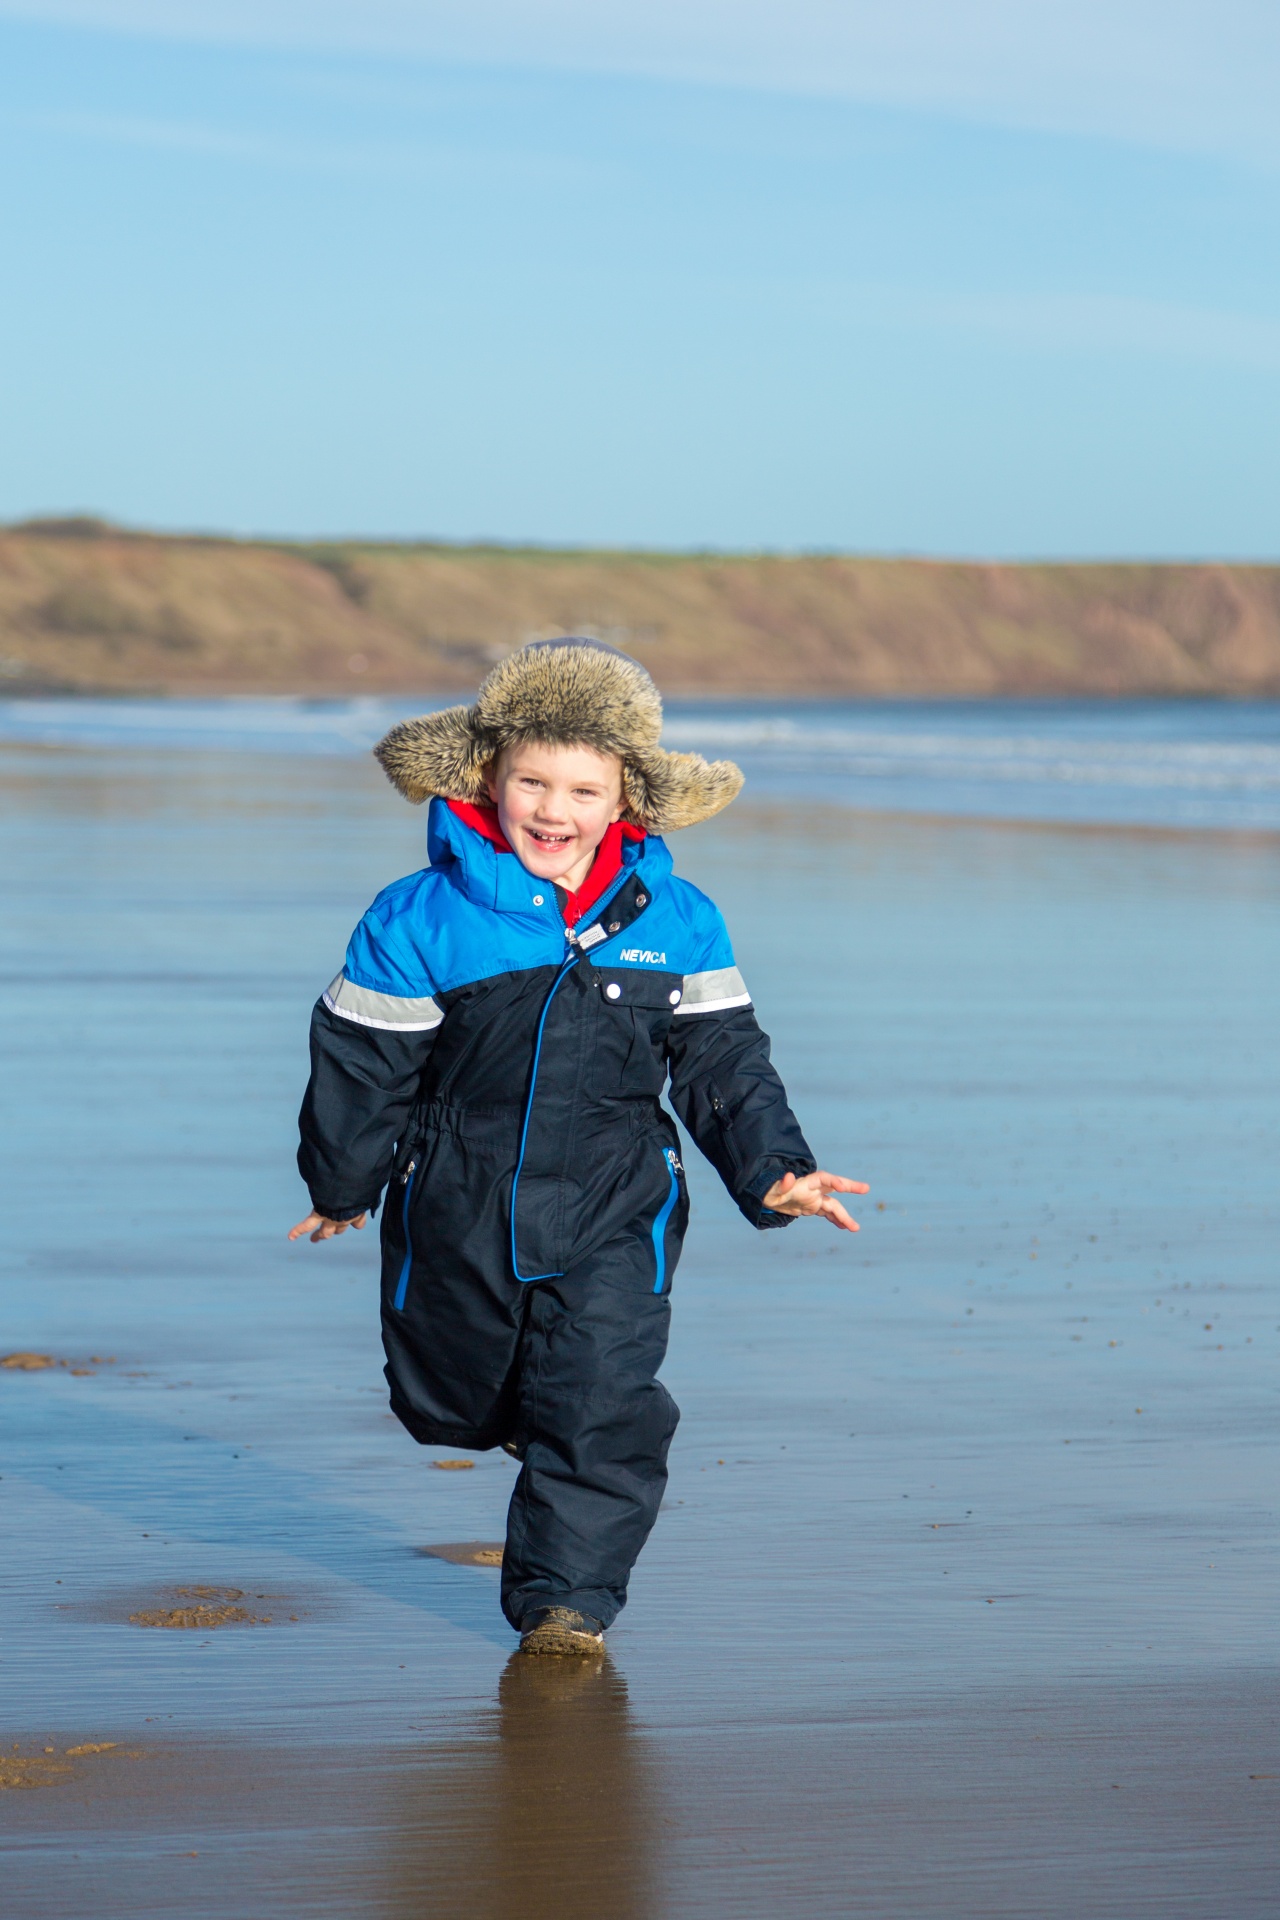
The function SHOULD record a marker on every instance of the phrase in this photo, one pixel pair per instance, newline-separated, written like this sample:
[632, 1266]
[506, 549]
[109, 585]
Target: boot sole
[553, 1639]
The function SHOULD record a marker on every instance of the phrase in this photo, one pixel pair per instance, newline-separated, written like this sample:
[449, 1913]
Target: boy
[494, 1054]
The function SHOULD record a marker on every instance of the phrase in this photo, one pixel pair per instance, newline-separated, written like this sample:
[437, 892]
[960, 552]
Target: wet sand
[935, 1621]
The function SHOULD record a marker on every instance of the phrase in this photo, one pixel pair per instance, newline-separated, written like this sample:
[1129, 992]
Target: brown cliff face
[87, 607]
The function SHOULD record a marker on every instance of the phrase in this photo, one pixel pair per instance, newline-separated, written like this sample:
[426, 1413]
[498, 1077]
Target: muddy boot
[560, 1630]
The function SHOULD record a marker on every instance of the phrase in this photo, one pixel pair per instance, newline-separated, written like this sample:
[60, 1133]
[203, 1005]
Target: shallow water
[935, 1622]
[1196, 763]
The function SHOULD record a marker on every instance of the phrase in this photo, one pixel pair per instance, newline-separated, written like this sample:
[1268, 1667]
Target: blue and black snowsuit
[502, 1077]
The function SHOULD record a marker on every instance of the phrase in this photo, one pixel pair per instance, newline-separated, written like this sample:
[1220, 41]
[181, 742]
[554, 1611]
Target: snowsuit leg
[594, 1425]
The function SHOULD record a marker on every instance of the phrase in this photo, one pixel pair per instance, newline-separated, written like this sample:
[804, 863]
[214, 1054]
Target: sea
[1187, 763]
[962, 1598]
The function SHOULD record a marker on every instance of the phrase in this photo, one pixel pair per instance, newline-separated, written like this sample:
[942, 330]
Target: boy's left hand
[814, 1193]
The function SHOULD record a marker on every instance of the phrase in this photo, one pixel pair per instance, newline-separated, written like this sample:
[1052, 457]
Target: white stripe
[384, 1026]
[717, 987]
[364, 1006]
[715, 1006]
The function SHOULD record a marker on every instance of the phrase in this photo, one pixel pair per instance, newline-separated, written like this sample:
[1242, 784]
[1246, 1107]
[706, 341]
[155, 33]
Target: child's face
[554, 805]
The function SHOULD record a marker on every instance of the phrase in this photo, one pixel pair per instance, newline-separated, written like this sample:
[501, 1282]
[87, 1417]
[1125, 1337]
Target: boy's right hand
[321, 1229]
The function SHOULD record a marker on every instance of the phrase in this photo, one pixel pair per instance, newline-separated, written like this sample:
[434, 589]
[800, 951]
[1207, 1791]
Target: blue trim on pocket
[402, 1285]
[660, 1224]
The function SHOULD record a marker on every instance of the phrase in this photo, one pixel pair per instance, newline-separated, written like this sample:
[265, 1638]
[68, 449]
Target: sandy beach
[962, 1599]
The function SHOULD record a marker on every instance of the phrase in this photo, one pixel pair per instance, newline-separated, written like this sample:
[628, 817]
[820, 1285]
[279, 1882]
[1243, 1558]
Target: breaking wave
[1164, 763]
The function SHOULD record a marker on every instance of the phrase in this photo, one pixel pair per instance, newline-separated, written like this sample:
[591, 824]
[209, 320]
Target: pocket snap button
[675, 998]
[613, 991]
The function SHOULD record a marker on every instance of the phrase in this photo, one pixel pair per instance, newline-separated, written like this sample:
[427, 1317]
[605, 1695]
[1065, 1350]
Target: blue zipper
[660, 1224]
[402, 1285]
[595, 912]
[527, 1279]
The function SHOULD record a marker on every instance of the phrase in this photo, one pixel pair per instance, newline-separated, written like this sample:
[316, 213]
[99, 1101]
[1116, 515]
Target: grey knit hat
[569, 693]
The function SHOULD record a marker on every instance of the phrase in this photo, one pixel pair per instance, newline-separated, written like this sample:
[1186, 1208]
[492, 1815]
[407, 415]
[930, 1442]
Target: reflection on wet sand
[549, 1812]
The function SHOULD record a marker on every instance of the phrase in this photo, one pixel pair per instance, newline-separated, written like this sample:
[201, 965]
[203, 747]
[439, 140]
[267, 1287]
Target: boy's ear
[489, 775]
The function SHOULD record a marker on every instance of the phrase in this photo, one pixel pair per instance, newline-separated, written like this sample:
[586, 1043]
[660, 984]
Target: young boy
[494, 1053]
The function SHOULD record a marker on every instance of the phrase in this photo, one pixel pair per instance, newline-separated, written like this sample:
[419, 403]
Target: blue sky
[975, 277]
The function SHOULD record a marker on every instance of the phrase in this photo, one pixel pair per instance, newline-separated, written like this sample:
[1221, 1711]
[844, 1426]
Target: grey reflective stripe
[714, 992]
[385, 1010]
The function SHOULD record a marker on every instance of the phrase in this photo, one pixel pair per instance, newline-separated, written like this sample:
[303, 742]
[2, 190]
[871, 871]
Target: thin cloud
[1109, 323]
[1059, 322]
[1181, 74]
[422, 159]
[172, 136]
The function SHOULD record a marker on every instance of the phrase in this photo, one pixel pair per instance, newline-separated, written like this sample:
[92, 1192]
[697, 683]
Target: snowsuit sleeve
[371, 1034]
[724, 1087]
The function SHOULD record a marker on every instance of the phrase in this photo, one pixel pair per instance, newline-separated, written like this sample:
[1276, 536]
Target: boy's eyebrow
[587, 785]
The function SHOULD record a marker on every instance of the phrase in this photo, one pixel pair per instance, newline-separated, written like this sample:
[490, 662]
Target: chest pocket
[637, 1007]
[641, 988]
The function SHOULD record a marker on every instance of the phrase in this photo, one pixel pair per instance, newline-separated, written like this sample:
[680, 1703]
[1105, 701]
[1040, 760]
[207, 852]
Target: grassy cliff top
[87, 606]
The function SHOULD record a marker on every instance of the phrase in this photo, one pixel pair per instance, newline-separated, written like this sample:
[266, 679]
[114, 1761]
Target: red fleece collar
[605, 868]
[484, 821]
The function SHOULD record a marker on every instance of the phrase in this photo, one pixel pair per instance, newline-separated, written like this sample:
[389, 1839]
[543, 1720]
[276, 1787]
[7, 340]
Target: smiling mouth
[549, 839]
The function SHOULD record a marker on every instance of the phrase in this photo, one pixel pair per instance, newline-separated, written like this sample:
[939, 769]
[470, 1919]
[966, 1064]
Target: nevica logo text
[645, 954]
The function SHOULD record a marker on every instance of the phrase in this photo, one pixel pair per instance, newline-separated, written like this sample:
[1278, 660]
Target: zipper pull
[673, 1160]
[407, 1175]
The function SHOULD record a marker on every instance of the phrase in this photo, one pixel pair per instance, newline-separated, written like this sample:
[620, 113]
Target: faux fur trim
[579, 693]
[666, 791]
[561, 693]
[439, 753]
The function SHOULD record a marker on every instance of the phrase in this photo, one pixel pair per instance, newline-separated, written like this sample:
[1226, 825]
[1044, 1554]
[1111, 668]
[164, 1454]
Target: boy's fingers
[813, 1194]
[321, 1229]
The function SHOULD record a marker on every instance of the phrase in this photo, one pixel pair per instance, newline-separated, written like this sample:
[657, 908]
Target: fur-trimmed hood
[571, 692]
